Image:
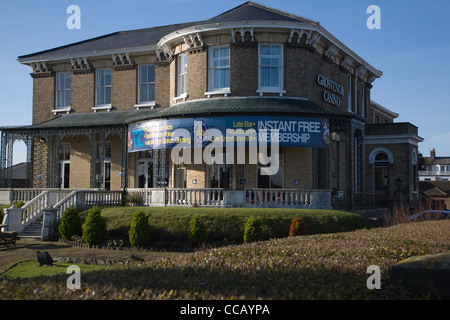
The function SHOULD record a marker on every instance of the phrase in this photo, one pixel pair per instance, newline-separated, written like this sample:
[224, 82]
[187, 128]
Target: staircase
[32, 231]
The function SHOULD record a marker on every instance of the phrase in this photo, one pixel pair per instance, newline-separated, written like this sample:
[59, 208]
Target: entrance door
[180, 177]
[381, 180]
[65, 174]
[145, 173]
[107, 176]
[219, 176]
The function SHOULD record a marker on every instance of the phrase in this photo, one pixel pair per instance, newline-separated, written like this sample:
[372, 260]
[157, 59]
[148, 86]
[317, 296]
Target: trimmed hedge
[70, 224]
[94, 228]
[140, 230]
[197, 233]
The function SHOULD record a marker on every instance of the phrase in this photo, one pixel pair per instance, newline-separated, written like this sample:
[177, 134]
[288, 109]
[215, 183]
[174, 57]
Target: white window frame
[64, 90]
[269, 89]
[181, 77]
[101, 106]
[225, 90]
[148, 103]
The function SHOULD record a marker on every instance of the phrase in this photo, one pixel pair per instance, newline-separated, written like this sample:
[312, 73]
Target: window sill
[105, 107]
[61, 110]
[225, 92]
[181, 97]
[150, 104]
[278, 91]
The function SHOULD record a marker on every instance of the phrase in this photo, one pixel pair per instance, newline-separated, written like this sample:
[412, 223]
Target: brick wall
[162, 84]
[43, 98]
[83, 92]
[244, 69]
[123, 89]
[197, 79]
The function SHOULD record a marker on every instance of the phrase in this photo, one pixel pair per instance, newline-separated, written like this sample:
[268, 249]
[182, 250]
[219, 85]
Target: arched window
[381, 158]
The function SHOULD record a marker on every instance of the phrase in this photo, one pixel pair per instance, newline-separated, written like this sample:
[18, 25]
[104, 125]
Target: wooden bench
[8, 237]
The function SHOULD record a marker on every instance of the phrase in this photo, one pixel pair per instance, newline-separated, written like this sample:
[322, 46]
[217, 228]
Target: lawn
[30, 269]
[321, 266]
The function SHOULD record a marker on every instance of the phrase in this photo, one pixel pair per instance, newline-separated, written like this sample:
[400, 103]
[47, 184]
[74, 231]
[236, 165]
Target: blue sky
[411, 48]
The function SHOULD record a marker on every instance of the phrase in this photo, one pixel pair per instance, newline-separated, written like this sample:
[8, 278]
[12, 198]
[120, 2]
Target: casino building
[154, 110]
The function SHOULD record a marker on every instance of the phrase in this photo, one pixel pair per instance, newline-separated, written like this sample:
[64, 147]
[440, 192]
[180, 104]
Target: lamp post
[399, 197]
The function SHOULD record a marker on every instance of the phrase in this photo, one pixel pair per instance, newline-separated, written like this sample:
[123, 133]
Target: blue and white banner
[199, 132]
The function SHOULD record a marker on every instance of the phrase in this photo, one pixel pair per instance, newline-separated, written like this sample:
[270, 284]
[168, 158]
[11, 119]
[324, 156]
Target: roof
[217, 106]
[249, 11]
[435, 188]
[252, 105]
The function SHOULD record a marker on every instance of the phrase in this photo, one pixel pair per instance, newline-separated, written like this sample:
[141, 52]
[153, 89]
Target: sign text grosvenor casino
[332, 86]
[292, 132]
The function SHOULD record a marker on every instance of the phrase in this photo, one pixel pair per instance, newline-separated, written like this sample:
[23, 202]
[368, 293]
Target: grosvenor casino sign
[336, 90]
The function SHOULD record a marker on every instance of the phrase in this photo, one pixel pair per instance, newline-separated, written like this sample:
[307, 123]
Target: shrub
[253, 230]
[197, 232]
[70, 224]
[20, 204]
[297, 227]
[135, 199]
[94, 228]
[140, 231]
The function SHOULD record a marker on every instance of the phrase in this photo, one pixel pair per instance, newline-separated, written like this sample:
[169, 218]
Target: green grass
[30, 269]
[227, 224]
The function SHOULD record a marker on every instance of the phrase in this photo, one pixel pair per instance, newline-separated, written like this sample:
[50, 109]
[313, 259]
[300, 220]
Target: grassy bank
[227, 224]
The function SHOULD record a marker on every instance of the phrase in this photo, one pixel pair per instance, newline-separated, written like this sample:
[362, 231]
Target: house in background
[20, 175]
[434, 168]
[438, 192]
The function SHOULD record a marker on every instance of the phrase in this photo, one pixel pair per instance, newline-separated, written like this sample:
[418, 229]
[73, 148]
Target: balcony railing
[434, 173]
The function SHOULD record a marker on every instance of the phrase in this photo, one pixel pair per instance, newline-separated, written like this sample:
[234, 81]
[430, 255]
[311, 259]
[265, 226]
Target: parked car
[431, 215]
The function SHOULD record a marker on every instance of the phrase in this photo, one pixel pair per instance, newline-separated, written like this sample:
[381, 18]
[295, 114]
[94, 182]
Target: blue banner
[199, 132]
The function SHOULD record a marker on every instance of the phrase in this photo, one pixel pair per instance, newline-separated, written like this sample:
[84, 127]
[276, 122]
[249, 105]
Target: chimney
[433, 154]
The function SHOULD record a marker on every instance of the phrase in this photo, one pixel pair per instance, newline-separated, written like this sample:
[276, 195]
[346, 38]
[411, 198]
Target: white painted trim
[149, 104]
[224, 91]
[177, 36]
[104, 107]
[62, 110]
[393, 139]
[378, 150]
[182, 96]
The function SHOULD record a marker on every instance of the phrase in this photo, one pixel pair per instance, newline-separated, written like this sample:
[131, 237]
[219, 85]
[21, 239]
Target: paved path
[26, 249]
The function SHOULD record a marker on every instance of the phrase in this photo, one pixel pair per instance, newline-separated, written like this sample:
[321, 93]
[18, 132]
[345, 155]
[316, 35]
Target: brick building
[105, 111]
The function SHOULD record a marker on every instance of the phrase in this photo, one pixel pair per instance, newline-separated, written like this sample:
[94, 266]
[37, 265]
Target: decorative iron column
[124, 167]
[93, 141]
[155, 155]
[3, 161]
[57, 155]
[29, 143]
[101, 160]
[50, 150]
